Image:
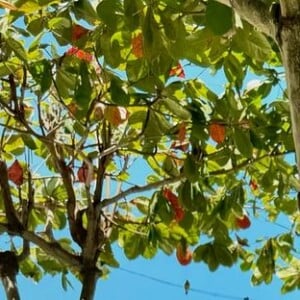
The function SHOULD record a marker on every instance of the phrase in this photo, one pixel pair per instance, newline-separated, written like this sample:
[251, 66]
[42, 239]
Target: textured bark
[90, 277]
[9, 268]
[289, 41]
[256, 12]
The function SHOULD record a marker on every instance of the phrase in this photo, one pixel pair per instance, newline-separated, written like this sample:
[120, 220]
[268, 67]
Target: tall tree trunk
[9, 268]
[90, 277]
[289, 41]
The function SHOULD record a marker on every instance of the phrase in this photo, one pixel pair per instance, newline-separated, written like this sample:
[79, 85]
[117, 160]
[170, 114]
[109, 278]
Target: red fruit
[78, 31]
[217, 132]
[184, 255]
[243, 222]
[173, 200]
[15, 173]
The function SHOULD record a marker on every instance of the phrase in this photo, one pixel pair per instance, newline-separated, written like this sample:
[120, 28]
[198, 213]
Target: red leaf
[253, 185]
[217, 132]
[78, 31]
[177, 71]
[84, 175]
[137, 45]
[80, 54]
[15, 173]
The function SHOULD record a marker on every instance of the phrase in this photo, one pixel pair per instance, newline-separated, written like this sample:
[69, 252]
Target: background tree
[89, 91]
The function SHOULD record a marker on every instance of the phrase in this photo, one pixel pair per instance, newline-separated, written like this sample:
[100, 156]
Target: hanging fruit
[183, 254]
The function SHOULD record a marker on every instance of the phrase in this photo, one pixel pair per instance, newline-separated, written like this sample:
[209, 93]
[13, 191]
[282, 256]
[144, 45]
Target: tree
[89, 90]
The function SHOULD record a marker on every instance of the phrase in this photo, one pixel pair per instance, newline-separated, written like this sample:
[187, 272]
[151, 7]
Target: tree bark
[90, 277]
[9, 268]
[11, 288]
[289, 41]
[256, 12]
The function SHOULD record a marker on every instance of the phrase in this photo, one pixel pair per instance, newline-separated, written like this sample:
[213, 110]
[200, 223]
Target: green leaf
[65, 82]
[233, 70]
[243, 142]
[170, 167]
[131, 9]
[219, 17]
[108, 11]
[223, 255]
[41, 72]
[107, 256]
[83, 9]
[191, 169]
[118, 95]
[178, 110]
[65, 282]
[253, 43]
[83, 90]
[134, 245]
[59, 23]
[26, 6]
[18, 48]
[31, 270]
[29, 141]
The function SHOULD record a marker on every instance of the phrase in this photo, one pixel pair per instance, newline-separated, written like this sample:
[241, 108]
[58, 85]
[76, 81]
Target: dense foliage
[91, 91]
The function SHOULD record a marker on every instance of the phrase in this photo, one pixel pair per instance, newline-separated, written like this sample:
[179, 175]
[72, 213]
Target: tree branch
[139, 189]
[52, 249]
[256, 12]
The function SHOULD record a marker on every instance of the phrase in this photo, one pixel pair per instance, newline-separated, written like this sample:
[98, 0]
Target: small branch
[139, 189]
[13, 92]
[77, 231]
[247, 162]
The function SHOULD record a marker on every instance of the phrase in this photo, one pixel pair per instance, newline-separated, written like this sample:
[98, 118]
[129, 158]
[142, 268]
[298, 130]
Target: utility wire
[176, 285]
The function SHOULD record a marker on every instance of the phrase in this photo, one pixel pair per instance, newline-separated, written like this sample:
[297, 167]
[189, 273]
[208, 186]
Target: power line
[176, 285]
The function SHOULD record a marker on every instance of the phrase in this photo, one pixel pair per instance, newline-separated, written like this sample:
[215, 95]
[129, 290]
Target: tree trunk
[9, 268]
[289, 41]
[11, 289]
[90, 277]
